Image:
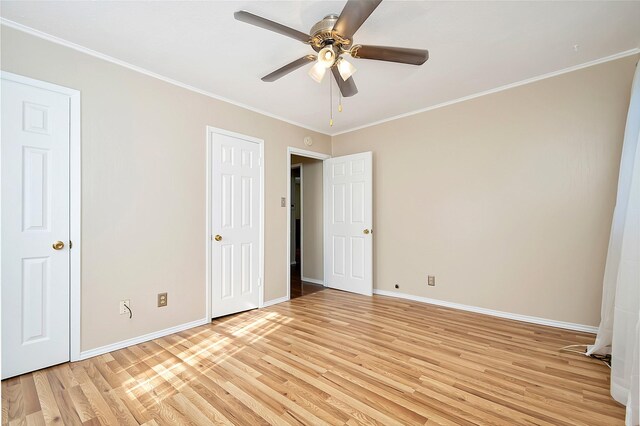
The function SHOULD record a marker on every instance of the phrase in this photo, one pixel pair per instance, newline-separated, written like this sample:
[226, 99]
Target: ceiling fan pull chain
[330, 103]
[339, 101]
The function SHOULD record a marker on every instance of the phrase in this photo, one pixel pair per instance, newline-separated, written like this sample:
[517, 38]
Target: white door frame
[208, 237]
[75, 195]
[302, 153]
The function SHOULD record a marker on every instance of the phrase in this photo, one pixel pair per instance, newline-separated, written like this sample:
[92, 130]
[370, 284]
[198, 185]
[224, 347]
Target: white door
[348, 245]
[35, 228]
[235, 207]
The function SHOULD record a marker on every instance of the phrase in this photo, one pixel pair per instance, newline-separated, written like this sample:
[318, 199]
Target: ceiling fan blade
[282, 71]
[261, 22]
[353, 15]
[347, 88]
[391, 54]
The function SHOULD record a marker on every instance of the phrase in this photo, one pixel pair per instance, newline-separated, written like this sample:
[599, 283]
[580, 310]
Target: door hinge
[70, 244]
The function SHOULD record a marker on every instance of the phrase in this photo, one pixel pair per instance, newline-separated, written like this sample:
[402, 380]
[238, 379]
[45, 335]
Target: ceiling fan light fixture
[327, 56]
[345, 68]
[317, 72]
[332, 37]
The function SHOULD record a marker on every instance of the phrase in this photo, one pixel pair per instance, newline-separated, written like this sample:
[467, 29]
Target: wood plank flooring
[329, 358]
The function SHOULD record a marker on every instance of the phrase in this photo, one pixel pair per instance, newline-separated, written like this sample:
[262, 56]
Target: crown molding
[497, 89]
[79, 48]
[82, 49]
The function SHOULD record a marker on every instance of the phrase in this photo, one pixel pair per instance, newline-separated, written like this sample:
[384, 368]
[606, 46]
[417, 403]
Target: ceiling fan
[331, 38]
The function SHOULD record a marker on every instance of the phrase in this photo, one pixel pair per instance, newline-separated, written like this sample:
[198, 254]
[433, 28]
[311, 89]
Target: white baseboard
[507, 315]
[140, 339]
[313, 281]
[275, 301]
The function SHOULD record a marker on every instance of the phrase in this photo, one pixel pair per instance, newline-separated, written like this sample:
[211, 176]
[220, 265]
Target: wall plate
[162, 300]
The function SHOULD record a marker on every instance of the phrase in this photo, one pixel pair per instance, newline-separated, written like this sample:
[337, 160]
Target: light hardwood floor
[329, 358]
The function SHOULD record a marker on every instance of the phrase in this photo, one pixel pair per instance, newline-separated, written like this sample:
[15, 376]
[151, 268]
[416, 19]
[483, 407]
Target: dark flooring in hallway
[299, 287]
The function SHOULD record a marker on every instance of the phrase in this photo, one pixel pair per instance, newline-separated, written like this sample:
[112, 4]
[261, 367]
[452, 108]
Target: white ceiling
[473, 46]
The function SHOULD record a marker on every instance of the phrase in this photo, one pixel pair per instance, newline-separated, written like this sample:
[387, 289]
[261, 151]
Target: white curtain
[619, 331]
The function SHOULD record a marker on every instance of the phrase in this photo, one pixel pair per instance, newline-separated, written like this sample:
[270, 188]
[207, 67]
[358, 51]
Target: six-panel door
[35, 215]
[348, 246]
[235, 207]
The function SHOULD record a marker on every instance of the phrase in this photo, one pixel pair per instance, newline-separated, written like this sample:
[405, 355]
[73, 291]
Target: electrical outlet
[124, 310]
[162, 299]
[431, 280]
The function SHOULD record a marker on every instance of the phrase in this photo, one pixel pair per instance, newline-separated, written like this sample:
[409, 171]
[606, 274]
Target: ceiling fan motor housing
[322, 34]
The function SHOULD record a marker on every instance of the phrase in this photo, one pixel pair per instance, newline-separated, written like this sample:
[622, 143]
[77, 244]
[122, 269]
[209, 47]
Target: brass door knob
[366, 231]
[218, 238]
[58, 245]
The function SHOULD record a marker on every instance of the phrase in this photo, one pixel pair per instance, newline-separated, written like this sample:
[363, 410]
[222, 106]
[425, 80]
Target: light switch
[283, 202]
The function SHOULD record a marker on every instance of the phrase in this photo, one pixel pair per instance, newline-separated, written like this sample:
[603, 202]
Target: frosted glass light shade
[317, 72]
[345, 68]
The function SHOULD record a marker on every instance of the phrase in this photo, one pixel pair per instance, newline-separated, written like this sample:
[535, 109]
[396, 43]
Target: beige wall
[143, 187]
[312, 227]
[507, 199]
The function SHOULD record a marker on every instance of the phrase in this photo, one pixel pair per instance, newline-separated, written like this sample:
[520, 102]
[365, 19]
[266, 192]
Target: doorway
[305, 223]
[346, 223]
